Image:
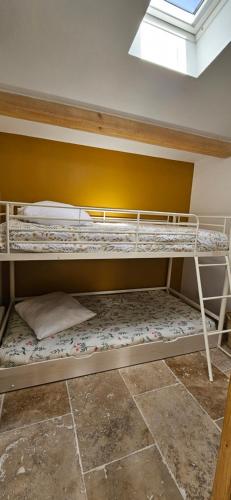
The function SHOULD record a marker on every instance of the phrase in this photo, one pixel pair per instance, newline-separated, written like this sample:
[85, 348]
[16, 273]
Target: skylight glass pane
[190, 6]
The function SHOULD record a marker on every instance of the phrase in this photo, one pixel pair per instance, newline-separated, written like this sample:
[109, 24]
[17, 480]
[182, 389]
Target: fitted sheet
[109, 237]
[121, 320]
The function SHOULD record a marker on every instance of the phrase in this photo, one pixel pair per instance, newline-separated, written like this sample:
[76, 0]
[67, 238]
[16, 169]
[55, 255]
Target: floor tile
[28, 406]
[219, 359]
[140, 476]
[109, 426]
[191, 369]
[186, 436]
[40, 462]
[220, 422]
[148, 376]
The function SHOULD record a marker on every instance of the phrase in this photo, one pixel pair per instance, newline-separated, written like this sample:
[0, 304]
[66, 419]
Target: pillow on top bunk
[52, 313]
[61, 210]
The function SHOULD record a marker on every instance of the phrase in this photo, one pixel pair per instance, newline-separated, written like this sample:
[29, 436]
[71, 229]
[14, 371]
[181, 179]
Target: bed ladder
[226, 293]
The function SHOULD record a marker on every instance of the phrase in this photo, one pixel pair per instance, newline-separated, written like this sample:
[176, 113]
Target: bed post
[223, 307]
[226, 290]
[12, 264]
[170, 261]
[12, 281]
[169, 274]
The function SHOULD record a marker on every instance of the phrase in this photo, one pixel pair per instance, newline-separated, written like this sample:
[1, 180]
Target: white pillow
[38, 210]
[52, 313]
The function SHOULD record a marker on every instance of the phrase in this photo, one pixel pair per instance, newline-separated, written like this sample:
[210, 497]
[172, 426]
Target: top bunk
[55, 231]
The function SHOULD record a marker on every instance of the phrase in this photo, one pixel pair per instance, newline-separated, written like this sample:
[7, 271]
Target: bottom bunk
[129, 328]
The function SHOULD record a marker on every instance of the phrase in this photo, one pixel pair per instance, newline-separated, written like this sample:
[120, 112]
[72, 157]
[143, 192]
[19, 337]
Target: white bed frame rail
[135, 219]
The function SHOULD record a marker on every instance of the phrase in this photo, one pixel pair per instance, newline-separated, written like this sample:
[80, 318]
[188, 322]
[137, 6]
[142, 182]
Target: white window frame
[194, 24]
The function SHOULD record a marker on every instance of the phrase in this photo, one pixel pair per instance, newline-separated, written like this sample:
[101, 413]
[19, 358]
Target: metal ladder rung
[213, 332]
[213, 265]
[218, 297]
[226, 295]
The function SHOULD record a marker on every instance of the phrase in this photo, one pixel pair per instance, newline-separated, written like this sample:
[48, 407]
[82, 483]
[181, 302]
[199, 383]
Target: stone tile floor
[146, 432]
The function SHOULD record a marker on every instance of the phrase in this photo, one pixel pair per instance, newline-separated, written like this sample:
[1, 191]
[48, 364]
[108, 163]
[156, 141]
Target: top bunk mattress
[121, 320]
[109, 237]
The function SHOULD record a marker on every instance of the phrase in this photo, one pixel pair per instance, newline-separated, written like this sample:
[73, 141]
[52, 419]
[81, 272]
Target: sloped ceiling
[77, 50]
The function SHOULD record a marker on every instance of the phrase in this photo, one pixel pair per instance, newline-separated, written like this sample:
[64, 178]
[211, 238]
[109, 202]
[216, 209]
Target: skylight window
[183, 35]
[190, 6]
[188, 15]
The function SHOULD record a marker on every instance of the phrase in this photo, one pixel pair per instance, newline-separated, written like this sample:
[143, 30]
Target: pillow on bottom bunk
[52, 313]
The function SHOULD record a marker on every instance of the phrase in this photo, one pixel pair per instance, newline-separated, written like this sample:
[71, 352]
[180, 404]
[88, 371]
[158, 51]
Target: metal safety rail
[136, 221]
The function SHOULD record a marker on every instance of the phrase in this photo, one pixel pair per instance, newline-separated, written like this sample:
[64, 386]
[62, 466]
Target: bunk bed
[130, 326]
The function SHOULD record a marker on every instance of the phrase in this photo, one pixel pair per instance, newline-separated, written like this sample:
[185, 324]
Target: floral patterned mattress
[109, 237]
[121, 320]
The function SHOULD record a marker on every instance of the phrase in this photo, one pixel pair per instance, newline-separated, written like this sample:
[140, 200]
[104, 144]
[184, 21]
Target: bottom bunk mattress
[121, 320]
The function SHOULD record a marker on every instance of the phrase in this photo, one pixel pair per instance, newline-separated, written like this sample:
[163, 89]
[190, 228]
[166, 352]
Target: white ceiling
[77, 50]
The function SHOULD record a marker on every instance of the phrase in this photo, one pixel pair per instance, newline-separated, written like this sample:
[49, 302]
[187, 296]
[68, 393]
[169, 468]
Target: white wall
[211, 194]
[77, 51]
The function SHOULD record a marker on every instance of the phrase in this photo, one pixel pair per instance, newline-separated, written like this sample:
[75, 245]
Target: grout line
[76, 440]
[217, 426]
[150, 390]
[195, 399]
[33, 423]
[102, 467]
[217, 420]
[182, 491]
[216, 365]
[155, 390]
[222, 371]
[157, 446]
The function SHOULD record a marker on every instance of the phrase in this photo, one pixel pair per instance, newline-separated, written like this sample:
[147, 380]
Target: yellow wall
[36, 169]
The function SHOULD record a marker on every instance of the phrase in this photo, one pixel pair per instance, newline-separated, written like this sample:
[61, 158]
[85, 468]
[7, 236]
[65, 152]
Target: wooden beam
[63, 115]
[222, 481]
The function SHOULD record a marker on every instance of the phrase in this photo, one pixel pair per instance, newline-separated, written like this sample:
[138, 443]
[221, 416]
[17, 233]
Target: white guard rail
[136, 221]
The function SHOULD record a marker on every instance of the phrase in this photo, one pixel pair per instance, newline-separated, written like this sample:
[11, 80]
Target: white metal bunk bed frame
[41, 372]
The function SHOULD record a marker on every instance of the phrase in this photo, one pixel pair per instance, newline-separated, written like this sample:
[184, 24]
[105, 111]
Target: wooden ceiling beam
[73, 117]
